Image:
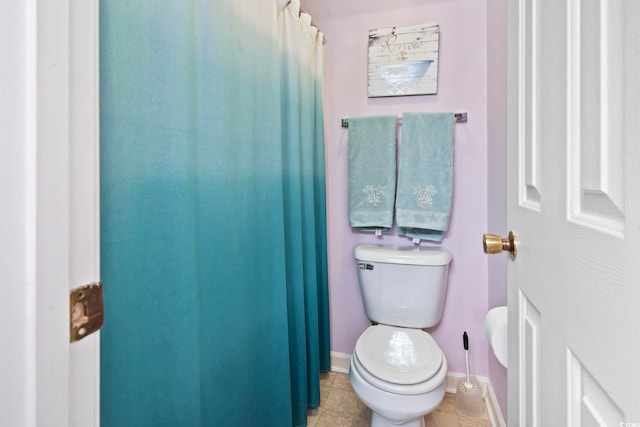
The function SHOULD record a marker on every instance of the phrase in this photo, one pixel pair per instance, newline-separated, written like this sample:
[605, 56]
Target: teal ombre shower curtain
[213, 234]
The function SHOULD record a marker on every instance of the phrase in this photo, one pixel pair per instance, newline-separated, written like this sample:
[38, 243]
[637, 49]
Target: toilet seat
[399, 360]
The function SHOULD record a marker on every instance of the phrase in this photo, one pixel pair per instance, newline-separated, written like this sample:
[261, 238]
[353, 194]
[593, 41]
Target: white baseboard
[340, 363]
[495, 414]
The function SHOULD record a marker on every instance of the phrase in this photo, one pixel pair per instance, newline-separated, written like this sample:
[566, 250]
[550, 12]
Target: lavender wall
[462, 86]
[497, 173]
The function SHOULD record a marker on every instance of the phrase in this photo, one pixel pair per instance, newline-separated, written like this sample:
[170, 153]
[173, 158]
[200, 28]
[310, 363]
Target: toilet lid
[399, 355]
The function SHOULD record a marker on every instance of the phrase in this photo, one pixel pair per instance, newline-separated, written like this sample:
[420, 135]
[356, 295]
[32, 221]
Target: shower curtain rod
[460, 118]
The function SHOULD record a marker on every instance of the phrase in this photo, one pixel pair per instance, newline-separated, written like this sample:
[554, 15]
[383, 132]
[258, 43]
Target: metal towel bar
[459, 117]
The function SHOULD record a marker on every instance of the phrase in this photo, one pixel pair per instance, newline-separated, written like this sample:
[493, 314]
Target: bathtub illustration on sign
[403, 61]
[404, 72]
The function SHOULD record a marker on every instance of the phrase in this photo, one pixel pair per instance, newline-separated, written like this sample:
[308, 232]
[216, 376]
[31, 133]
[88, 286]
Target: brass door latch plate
[86, 311]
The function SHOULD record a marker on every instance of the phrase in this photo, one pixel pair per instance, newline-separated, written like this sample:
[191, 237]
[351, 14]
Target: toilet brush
[468, 394]
[468, 385]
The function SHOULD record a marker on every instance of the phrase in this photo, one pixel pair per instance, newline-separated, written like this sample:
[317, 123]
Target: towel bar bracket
[459, 117]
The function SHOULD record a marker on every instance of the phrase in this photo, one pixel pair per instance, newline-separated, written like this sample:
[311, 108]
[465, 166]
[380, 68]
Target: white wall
[48, 214]
[17, 289]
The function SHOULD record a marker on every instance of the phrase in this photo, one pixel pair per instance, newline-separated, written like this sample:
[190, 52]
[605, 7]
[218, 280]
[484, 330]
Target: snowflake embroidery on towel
[424, 195]
[374, 194]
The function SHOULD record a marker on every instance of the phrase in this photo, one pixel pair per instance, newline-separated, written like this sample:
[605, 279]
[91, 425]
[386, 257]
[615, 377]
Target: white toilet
[397, 369]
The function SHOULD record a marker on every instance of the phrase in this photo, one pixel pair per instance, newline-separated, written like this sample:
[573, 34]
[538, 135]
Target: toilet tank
[403, 285]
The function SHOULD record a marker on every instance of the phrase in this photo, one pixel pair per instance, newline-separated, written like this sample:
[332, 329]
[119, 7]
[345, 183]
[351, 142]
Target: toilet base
[378, 420]
[398, 410]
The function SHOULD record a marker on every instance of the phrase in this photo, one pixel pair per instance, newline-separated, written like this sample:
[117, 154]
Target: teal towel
[425, 175]
[372, 172]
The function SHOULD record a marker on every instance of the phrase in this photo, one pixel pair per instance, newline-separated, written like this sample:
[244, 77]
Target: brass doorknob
[493, 244]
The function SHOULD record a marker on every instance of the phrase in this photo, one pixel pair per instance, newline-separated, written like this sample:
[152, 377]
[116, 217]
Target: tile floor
[340, 407]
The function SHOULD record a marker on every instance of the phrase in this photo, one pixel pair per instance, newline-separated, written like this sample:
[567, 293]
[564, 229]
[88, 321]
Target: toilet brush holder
[468, 391]
[469, 396]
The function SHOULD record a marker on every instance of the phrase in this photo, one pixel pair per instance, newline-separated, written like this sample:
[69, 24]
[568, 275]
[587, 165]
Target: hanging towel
[425, 175]
[372, 172]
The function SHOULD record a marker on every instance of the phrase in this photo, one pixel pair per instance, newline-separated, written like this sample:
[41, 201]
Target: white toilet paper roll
[495, 326]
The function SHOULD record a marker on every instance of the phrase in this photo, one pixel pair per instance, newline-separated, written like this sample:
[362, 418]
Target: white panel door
[574, 201]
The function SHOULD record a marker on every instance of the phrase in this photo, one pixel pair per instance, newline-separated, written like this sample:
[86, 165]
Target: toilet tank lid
[412, 255]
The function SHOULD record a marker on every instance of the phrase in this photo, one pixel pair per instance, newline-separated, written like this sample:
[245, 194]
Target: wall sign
[403, 60]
